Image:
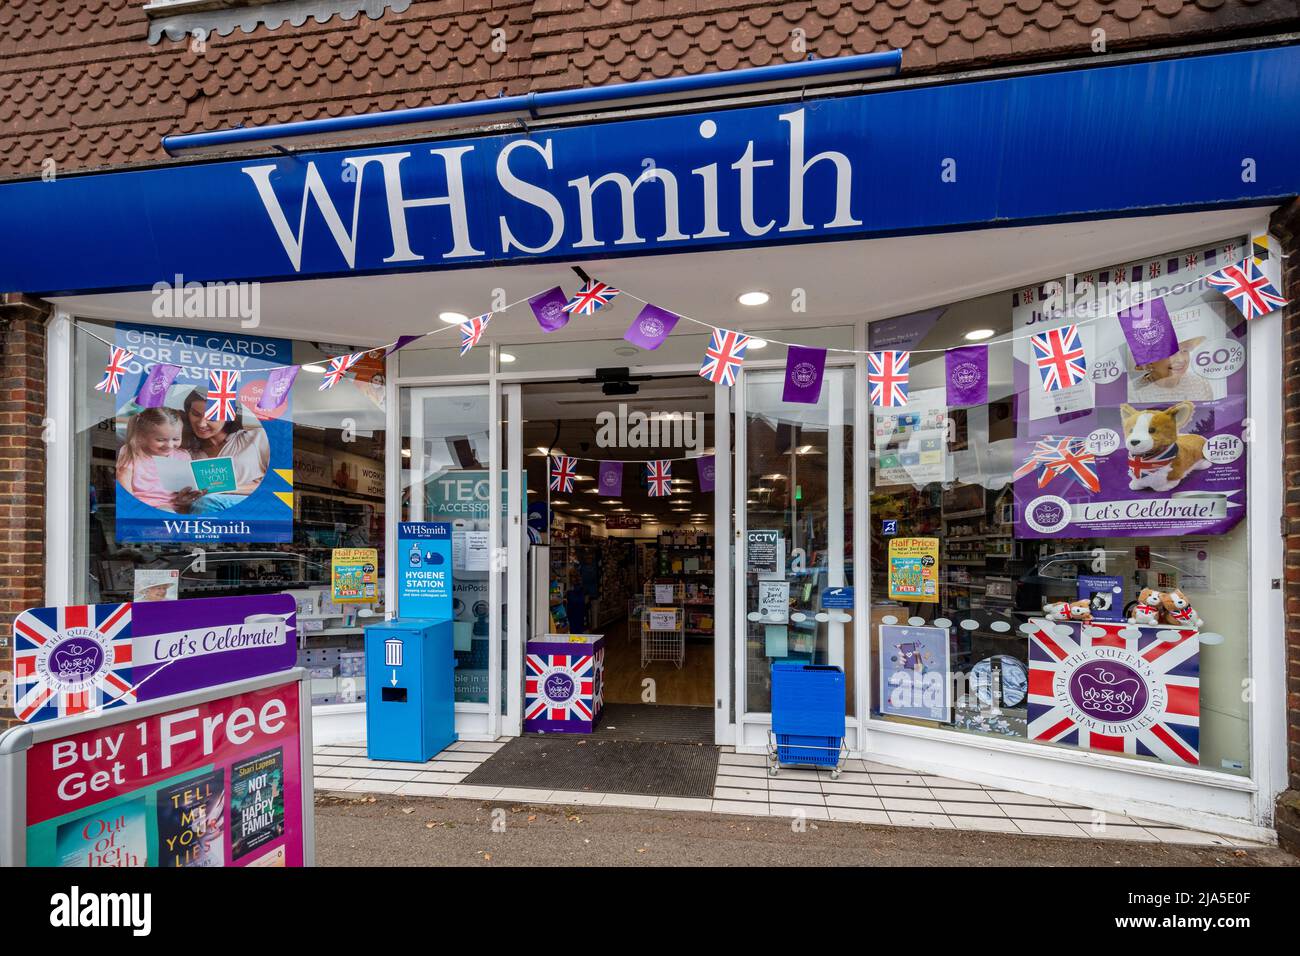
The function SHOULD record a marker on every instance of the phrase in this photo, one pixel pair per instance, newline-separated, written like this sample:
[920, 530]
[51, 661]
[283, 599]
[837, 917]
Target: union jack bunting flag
[71, 660]
[1059, 355]
[563, 470]
[591, 298]
[223, 396]
[887, 378]
[1073, 460]
[472, 331]
[560, 687]
[658, 476]
[114, 370]
[339, 366]
[724, 357]
[1116, 687]
[1248, 288]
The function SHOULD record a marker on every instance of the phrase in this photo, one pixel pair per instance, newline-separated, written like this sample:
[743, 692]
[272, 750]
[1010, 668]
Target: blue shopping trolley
[807, 717]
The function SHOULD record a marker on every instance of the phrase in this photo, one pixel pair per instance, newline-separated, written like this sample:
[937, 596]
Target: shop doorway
[621, 511]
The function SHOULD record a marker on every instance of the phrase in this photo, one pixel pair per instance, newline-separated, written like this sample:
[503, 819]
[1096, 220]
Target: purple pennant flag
[402, 342]
[549, 309]
[1149, 332]
[277, 386]
[611, 478]
[153, 388]
[804, 369]
[967, 375]
[650, 327]
[705, 465]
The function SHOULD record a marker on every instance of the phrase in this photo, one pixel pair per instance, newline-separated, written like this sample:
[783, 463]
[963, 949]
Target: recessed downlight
[979, 335]
[753, 297]
[757, 344]
[314, 369]
[506, 357]
[453, 318]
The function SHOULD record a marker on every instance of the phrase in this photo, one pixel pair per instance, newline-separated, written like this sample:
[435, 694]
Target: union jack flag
[561, 687]
[658, 476]
[1059, 355]
[223, 396]
[1248, 288]
[472, 331]
[563, 470]
[591, 298]
[887, 377]
[339, 366]
[1075, 461]
[724, 357]
[1054, 456]
[71, 660]
[1139, 465]
[114, 370]
[1116, 687]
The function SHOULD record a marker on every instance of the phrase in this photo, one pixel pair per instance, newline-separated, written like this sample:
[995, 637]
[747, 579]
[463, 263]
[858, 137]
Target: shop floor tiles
[660, 723]
[594, 764]
[727, 782]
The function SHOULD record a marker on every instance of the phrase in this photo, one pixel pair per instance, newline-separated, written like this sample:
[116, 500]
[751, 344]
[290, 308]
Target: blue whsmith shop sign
[1195, 132]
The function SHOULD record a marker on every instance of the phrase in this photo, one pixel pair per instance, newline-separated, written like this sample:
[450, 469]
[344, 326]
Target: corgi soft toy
[1058, 611]
[1081, 611]
[1148, 607]
[1177, 611]
[1159, 457]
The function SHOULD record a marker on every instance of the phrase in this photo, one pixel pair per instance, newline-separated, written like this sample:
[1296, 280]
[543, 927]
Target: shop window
[1035, 553]
[295, 483]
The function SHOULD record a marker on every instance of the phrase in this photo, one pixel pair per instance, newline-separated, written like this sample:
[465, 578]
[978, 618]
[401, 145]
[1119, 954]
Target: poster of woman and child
[184, 477]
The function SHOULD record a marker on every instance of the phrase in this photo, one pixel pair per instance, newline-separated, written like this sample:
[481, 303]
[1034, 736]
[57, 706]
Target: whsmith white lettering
[572, 213]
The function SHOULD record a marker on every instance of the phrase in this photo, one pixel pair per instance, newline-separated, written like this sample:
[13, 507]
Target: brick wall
[22, 472]
[81, 86]
[1286, 226]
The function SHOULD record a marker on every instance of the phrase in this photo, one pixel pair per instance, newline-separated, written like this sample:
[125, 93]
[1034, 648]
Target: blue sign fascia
[1074, 144]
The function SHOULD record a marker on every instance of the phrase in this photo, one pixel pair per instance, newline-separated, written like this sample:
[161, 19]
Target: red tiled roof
[80, 84]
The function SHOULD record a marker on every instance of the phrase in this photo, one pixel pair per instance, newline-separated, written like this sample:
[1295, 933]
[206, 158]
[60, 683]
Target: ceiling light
[755, 297]
[556, 501]
[610, 501]
[979, 335]
[406, 453]
[506, 357]
[453, 318]
[757, 344]
[314, 369]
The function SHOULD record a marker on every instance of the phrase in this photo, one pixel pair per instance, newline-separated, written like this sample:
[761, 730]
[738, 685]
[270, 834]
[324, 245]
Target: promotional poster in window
[1125, 443]
[197, 458]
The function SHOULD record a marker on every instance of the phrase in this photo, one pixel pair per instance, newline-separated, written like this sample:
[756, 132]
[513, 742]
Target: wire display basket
[663, 635]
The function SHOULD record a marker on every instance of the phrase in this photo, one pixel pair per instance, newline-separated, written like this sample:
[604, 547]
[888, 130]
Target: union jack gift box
[564, 684]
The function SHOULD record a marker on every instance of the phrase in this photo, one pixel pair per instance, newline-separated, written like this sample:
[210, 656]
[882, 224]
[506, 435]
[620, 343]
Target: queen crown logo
[966, 374]
[652, 327]
[1104, 692]
[76, 663]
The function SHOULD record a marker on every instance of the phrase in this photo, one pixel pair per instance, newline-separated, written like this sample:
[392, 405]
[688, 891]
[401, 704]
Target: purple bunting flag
[611, 478]
[650, 327]
[153, 388]
[277, 386]
[804, 370]
[967, 375]
[549, 306]
[1150, 334]
[706, 467]
[402, 342]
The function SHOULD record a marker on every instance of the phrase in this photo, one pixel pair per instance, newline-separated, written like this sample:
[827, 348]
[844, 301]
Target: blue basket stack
[807, 713]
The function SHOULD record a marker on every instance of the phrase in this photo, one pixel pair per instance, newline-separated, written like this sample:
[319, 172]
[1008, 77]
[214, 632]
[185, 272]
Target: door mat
[599, 765]
[660, 723]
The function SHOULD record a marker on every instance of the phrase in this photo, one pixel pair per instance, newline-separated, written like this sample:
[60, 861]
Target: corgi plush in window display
[1177, 611]
[1159, 455]
[1147, 608]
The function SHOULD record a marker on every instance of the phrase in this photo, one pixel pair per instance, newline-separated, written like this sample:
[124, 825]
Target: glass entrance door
[452, 471]
[794, 516]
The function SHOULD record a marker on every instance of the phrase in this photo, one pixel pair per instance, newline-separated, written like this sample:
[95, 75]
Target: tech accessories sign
[877, 164]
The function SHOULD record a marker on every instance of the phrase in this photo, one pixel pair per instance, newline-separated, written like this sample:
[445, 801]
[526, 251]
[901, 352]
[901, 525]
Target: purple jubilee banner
[1161, 452]
[548, 307]
[80, 658]
[611, 478]
[804, 369]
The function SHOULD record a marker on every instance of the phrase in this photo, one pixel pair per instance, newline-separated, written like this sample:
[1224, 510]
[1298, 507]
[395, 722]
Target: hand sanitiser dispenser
[410, 689]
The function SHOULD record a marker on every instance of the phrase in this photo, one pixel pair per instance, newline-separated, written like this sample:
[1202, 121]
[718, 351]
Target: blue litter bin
[410, 689]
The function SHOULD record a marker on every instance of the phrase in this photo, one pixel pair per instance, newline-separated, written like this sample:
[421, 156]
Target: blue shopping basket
[807, 716]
